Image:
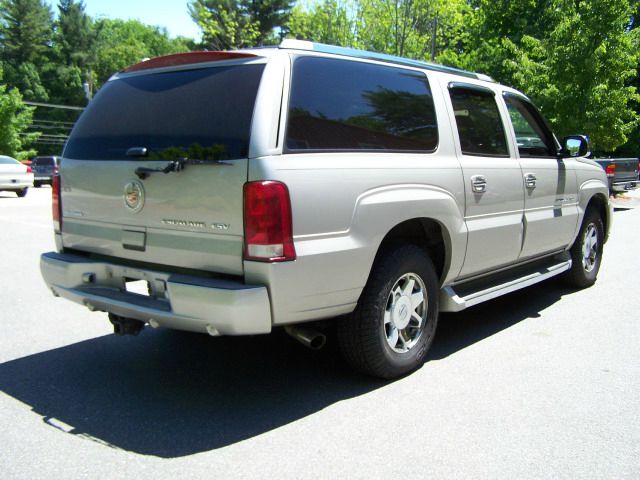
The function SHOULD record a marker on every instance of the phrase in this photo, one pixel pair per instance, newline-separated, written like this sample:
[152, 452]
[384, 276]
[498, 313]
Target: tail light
[267, 222]
[29, 169]
[56, 204]
[611, 170]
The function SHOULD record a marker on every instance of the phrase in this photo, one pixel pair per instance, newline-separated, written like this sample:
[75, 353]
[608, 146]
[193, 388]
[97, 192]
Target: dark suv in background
[44, 168]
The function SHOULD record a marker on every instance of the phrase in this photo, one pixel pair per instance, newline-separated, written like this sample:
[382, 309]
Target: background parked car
[44, 168]
[14, 176]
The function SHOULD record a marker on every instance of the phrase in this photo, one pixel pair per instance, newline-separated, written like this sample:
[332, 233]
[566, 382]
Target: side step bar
[458, 297]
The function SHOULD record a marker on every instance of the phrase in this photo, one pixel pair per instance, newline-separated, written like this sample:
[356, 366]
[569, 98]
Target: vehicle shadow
[460, 330]
[171, 394]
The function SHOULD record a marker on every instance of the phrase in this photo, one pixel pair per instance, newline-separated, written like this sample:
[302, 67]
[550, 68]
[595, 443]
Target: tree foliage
[120, 43]
[26, 28]
[15, 119]
[577, 59]
[229, 24]
[330, 21]
[574, 58]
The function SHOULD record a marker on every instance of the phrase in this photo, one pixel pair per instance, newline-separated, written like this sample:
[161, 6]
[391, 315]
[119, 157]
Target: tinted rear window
[347, 105]
[200, 114]
[7, 160]
[47, 161]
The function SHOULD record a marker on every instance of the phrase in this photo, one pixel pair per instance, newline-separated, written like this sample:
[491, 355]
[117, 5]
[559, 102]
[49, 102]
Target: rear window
[347, 105]
[7, 160]
[200, 114]
[46, 161]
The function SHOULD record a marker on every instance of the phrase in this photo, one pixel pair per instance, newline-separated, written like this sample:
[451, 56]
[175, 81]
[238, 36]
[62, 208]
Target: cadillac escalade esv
[292, 185]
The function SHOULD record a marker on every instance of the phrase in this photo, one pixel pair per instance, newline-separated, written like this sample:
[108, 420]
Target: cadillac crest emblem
[134, 196]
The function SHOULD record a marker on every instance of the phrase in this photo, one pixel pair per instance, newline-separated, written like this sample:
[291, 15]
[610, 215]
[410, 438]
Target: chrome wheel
[590, 248]
[405, 313]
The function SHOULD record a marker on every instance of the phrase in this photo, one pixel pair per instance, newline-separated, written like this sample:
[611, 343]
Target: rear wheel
[22, 193]
[37, 184]
[393, 326]
[586, 252]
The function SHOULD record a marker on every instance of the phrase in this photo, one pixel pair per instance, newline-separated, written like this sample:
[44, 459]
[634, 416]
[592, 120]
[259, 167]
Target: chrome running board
[458, 297]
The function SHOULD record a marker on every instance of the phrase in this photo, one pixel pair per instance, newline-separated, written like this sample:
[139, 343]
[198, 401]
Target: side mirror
[575, 146]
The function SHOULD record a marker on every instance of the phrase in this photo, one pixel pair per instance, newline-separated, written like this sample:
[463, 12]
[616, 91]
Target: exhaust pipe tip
[309, 337]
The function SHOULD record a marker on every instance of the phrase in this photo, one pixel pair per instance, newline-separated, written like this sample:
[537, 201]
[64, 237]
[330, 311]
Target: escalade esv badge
[134, 196]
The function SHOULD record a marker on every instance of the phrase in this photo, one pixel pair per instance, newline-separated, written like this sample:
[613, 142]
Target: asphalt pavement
[543, 383]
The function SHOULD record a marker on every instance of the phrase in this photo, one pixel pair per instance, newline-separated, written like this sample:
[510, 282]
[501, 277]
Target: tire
[37, 184]
[586, 252]
[390, 332]
[22, 193]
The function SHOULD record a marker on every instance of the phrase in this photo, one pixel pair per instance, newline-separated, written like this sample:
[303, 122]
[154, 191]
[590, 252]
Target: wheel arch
[600, 203]
[426, 233]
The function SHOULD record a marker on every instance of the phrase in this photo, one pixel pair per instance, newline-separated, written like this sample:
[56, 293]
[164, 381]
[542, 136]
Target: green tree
[229, 24]
[73, 45]
[329, 22]
[573, 58]
[632, 147]
[420, 29]
[120, 43]
[26, 29]
[15, 119]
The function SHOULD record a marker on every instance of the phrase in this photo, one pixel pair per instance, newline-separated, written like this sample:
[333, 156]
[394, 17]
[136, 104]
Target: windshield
[199, 114]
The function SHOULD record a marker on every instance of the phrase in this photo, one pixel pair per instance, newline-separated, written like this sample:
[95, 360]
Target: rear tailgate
[114, 203]
[626, 169]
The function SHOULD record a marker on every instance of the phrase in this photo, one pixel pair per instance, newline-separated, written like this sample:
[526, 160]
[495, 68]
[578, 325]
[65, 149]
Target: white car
[14, 176]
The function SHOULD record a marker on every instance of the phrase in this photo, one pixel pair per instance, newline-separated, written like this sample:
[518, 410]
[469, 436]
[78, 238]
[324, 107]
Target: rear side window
[478, 120]
[347, 105]
[200, 114]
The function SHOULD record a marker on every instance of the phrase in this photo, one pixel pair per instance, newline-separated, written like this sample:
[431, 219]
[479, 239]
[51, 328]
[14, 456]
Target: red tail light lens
[611, 170]
[267, 222]
[56, 204]
[29, 169]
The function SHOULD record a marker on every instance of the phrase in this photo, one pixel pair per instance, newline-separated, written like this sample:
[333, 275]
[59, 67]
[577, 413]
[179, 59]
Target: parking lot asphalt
[543, 383]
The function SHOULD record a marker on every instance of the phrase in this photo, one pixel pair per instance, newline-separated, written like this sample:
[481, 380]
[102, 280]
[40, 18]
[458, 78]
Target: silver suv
[285, 186]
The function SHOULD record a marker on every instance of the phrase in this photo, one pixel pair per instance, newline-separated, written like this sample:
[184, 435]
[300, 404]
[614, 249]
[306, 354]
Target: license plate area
[139, 287]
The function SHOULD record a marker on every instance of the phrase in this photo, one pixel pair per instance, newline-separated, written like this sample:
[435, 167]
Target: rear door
[154, 169]
[492, 181]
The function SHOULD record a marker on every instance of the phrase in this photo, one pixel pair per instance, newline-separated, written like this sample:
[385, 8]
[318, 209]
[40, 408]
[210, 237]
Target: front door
[550, 200]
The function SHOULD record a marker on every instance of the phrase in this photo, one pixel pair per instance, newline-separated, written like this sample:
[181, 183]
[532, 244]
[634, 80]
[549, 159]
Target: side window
[532, 135]
[479, 124]
[346, 105]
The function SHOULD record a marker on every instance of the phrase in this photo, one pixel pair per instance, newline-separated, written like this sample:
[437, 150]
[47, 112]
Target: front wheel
[586, 252]
[393, 325]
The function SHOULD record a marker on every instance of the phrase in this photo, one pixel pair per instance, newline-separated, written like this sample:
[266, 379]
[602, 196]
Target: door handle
[478, 184]
[530, 180]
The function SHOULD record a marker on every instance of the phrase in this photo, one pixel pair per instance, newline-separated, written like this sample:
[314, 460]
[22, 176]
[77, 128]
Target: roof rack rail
[353, 52]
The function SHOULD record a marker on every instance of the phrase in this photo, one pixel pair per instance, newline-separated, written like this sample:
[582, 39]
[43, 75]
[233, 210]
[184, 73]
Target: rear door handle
[478, 184]
[530, 180]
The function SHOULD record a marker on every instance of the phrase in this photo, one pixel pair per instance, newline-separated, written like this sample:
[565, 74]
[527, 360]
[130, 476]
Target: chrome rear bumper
[182, 302]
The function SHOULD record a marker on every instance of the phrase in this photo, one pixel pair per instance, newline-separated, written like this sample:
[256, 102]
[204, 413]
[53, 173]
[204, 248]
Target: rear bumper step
[459, 297]
[183, 302]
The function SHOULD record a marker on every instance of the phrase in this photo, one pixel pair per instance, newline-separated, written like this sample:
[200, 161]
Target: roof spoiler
[186, 59]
